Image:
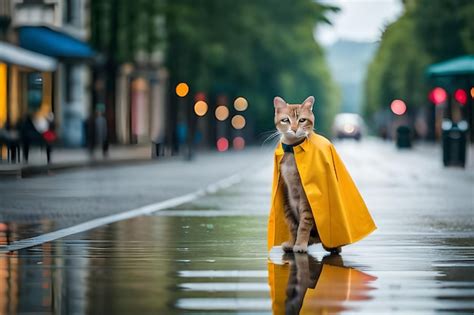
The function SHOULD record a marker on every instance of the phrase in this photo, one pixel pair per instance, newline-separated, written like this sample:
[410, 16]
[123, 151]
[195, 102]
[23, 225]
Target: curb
[26, 171]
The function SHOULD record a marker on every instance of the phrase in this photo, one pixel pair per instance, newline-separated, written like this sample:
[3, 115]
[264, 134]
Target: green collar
[289, 147]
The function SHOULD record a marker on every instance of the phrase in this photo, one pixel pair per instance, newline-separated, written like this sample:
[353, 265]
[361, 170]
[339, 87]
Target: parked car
[348, 125]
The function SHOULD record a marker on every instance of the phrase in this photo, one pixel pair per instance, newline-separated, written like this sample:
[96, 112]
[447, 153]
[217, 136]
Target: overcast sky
[359, 20]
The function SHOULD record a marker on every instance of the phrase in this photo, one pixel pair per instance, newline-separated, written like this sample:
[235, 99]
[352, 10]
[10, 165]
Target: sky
[359, 20]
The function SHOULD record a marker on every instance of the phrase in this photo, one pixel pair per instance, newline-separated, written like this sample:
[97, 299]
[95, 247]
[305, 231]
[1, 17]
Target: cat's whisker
[267, 132]
[273, 142]
[270, 137]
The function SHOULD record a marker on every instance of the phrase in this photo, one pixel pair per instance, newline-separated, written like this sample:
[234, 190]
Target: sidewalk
[69, 158]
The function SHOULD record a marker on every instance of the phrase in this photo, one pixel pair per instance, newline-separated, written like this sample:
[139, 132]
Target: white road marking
[223, 273]
[145, 210]
[225, 287]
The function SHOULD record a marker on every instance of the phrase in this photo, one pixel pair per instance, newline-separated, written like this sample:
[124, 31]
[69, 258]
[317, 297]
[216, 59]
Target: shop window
[34, 91]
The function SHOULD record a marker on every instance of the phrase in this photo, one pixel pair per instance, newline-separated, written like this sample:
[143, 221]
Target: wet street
[209, 255]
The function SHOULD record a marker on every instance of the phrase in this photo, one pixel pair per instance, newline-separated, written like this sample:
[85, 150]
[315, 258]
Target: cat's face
[294, 121]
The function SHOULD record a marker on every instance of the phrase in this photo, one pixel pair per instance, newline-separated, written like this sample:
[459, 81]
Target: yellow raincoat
[339, 211]
[335, 286]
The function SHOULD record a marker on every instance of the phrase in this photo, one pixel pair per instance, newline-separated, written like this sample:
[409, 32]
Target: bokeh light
[238, 122]
[438, 95]
[222, 144]
[398, 107]
[240, 104]
[222, 112]
[460, 96]
[200, 108]
[199, 96]
[472, 92]
[238, 143]
[182, 89]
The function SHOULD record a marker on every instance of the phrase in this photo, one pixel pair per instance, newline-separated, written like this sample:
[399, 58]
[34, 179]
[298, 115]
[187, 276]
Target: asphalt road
[32, 206]
[210, 255]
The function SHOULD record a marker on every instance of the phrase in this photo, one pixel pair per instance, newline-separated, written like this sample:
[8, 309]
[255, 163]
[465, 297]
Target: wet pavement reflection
[210, 256]
[304, 285]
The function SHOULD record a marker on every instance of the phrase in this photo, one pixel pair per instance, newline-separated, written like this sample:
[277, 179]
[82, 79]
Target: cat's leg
[304, 228]
[293, 228]
[314, 235]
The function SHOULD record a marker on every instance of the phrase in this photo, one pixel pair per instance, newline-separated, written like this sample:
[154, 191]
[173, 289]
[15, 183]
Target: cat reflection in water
[316, 287]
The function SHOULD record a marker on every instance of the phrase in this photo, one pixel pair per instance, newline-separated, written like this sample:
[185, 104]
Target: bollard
[403, 137]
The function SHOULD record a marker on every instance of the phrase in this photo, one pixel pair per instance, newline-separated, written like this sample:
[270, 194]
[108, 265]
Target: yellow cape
[339, 211]
[335, 286]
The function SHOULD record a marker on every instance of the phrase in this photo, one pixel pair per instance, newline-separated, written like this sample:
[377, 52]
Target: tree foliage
[257, 49]
[128, 31]
[428, 31]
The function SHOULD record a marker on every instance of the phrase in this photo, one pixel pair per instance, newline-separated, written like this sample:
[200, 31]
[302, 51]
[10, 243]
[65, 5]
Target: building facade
[57, 29]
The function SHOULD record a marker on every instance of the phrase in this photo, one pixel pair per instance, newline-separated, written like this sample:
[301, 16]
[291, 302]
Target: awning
[53, 43]
[458, 66]
[11, 54]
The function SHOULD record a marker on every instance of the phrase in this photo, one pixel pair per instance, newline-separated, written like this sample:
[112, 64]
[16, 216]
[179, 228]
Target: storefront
[71, 80]
[25, 83]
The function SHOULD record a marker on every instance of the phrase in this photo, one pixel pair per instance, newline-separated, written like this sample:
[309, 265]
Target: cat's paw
[287, 247]
[300, 248]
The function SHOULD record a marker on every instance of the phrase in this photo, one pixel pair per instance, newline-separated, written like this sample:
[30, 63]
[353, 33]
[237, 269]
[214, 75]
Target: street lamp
[398, 107]
[238, 122]
[182, 89]
[200, 108]
[222, 112]
[240, 104]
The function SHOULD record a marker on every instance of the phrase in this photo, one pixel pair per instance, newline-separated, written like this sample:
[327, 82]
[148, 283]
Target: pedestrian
[98, 131]
[37, 129]
[314, 199]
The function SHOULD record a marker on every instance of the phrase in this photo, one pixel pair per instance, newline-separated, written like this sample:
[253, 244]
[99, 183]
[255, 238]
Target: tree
[258, 49]
[428, 31]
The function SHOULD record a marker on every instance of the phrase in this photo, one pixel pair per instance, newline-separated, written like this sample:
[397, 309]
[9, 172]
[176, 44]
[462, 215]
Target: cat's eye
[285, 120]
[302, 120]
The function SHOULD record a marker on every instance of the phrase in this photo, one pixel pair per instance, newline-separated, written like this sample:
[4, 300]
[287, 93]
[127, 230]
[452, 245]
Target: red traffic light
[438, 95]
[460, 96]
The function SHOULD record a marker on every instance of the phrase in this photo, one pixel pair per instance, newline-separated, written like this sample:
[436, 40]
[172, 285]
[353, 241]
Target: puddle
[206, 259]
[12, 231]
[187, 264]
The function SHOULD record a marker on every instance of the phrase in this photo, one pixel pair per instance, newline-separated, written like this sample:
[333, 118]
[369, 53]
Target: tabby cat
[295, 123]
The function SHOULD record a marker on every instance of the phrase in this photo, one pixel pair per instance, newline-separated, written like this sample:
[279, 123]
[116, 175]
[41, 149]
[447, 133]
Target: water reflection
[43, 280]
[14, 231]
[304, 285]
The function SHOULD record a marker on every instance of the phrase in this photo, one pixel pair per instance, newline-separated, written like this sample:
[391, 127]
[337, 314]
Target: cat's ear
[309, 102]
[279, 103]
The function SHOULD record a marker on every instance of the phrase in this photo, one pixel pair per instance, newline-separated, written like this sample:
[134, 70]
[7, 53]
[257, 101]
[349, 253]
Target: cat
[295, 123]
[304, 274]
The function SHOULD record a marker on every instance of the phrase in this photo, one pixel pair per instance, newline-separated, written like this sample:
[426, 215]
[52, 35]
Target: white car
[348, 125]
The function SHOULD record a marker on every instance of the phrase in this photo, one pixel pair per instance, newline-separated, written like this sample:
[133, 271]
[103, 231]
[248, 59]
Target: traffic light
[460, 96]
[438, 95]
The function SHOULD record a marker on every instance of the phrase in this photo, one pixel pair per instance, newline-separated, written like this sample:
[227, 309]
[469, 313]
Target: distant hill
[348, 61]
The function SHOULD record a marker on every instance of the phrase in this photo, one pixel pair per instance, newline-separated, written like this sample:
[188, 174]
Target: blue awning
[463, 65]
[11, 54]
[53, 43]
